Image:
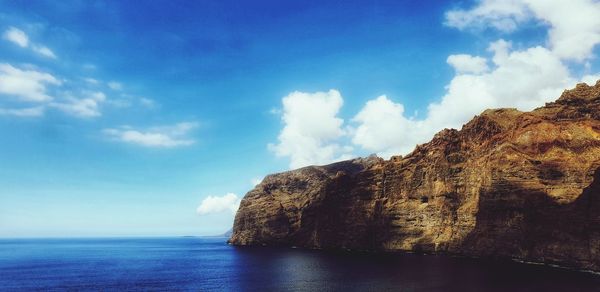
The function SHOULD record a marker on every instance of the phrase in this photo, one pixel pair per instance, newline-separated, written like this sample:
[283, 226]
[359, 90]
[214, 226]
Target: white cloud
[20, 38]
[29, 85]
[535, 76]
[463, 63]
[86, 107]
[591, 79]
[44, 51]
[160, 137]
[574, 25]
[26, 85]
[523, 78]
[256, 181]
[115, 85]
[229, 202]
[383, 128]
[311, 128]
[23, 112]
[16, 36]
[504, 15]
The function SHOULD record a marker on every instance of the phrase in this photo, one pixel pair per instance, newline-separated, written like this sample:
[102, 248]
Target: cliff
[523, 185]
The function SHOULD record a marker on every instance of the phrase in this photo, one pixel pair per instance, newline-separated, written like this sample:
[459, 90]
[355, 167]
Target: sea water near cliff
[209, 264]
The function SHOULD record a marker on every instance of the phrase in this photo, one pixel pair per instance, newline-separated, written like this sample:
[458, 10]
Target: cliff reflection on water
[210, 264]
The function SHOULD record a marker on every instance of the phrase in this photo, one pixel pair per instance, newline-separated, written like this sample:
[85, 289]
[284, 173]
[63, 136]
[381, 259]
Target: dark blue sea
[209, 264]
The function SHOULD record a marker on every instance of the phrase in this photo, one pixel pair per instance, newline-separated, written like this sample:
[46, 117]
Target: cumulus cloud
[20, 38]
[591, 79]
[535, 75]
[229, 202]
[158, 137]
[383, 128]
[574, 26]
[463, 63]
[86, 107]
[523, 78]
[25, 84]
[311, 128]
[16, 36]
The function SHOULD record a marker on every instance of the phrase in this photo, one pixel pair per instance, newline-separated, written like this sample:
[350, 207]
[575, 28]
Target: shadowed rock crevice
[531, 226]
[508, 184]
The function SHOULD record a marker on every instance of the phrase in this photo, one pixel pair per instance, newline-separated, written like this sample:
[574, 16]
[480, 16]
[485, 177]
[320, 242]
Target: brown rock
[513, 184]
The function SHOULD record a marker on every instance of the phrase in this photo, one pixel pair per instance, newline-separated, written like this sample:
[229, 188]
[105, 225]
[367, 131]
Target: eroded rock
[512, 184]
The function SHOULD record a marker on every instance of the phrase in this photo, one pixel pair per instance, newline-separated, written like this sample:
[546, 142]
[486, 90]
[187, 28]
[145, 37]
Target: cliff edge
[523, 185]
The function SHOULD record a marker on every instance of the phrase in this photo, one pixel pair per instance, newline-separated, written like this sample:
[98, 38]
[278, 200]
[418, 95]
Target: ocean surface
[209, 264]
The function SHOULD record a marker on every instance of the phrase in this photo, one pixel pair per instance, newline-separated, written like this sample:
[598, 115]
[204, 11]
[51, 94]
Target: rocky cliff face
[523, 185]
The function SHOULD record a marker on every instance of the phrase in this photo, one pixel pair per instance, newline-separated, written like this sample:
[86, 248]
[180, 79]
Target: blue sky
[120, 118]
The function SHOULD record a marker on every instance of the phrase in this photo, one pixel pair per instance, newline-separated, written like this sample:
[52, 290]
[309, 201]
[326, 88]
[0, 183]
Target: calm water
[210, 264]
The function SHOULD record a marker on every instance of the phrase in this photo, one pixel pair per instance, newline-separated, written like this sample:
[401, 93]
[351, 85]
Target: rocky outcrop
[522, 185]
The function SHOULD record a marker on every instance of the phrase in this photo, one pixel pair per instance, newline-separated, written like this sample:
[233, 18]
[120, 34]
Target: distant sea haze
[209, 264]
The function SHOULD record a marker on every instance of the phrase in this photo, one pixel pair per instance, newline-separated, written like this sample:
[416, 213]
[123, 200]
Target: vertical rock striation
[512, 184]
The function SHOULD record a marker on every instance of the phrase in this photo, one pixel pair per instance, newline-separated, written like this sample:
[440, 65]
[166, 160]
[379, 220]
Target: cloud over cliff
[313, 132]
[215, 204]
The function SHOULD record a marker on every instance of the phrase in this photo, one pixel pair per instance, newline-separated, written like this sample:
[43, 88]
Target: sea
[210, 264]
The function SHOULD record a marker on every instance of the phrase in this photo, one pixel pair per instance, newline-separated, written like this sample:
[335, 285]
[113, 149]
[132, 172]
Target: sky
[122, 118]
